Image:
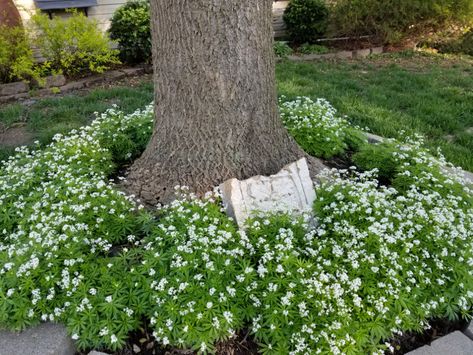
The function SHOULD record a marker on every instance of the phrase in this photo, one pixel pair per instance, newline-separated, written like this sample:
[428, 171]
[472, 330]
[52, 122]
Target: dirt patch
[15, 136]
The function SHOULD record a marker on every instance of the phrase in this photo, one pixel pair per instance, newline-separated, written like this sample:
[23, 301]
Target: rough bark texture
[215, 94]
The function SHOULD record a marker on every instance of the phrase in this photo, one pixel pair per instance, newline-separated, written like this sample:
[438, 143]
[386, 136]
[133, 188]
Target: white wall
[102, 12]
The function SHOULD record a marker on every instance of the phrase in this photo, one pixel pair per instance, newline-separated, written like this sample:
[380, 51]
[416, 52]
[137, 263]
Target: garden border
[55, 84]
[357, 53]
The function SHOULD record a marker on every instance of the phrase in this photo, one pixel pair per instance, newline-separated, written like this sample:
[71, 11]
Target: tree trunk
[215, 98]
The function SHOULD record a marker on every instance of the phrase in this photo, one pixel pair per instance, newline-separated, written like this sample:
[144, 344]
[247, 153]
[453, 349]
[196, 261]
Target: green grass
[413, 92]
[49, 116]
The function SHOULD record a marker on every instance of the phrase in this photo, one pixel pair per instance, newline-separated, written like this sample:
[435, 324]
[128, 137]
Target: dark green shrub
[131, 29]
[306, 20]
[462, 45]
[393, 20]
[75, 45]
[16, 57]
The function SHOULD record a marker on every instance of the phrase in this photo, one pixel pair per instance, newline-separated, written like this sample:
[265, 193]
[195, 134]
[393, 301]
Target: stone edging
[358, 53]
[58, 84]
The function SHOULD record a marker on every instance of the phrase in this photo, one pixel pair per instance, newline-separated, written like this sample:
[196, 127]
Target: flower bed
[384, 258]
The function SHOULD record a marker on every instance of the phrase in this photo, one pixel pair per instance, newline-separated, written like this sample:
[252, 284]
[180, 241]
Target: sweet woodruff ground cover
[382, 260]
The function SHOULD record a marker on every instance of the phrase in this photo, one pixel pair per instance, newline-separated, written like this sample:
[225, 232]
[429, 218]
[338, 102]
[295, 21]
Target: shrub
[16, 56]
[74, 45]
[306, 20]
[393, 20]
[463, 45]
[131, 29]
[282, 49]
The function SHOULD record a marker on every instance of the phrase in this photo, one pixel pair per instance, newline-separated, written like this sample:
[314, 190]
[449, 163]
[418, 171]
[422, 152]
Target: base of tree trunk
[216, 109]
[155, 182]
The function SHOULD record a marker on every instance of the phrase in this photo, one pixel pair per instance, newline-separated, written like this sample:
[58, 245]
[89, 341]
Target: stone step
[455, 343]
[44, 339]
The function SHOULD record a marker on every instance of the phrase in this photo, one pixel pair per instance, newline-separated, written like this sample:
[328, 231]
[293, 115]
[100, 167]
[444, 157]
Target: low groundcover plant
[383, 258]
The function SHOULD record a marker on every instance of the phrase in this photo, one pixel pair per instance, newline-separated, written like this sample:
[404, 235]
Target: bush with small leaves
[73, 45]
[130, 28]
[306, 20]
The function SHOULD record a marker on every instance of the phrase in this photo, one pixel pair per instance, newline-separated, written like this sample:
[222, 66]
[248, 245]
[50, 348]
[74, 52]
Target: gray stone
[362, 53]
[469, 331]
[377, 50]
[291, 191]
[114, 75]
[13, 88]
[133, 71]
[425, 350]
[95, 352]
[454, 343]
[16, 97]
[344, 54]
[54, 81]
[44, 339]
[469, 177]
[75, 85]
[373, 138]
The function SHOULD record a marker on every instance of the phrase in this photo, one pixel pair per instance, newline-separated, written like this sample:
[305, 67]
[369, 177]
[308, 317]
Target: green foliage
[307, 48]
[317, 128]
[16, 56]
[306, 20]
[379, 261]
[393, 20]
[282, 49]
[196, 270]
[408, 163]
[74, 45]
[463, 45]
[130, 27]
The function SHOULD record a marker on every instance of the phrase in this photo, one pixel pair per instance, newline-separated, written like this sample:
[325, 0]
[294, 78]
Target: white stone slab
[290, 191]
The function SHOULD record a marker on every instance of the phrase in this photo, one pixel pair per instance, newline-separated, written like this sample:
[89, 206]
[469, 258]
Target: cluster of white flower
[316, 126]
[373, 266]
[381, 260]
[199, 276]
[58, 213]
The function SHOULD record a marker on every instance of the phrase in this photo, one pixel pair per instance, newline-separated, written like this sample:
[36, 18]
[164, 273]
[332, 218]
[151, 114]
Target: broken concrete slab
[44, 339]
[289, 191]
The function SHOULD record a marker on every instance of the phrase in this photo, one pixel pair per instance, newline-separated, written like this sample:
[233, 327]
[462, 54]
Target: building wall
[105, 9]
[102, 12]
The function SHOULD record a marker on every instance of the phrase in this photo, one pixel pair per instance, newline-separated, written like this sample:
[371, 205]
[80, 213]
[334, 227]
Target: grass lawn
[49, 116]
[412, 92]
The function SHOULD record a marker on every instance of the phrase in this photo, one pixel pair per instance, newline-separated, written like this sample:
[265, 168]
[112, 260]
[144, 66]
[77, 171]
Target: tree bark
[215, 98]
